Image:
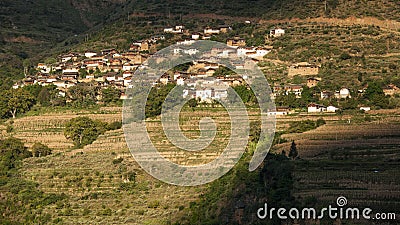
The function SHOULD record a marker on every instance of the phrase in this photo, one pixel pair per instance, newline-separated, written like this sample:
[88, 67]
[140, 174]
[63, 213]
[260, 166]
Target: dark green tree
[245, 93]
[49, 96]
[11, 151]
[16, 101]
[192, 103]
[83, 95]
[83, 130]
[156, 98]
[40, 150]
[293, 151]
[111, 95]
[375, 95]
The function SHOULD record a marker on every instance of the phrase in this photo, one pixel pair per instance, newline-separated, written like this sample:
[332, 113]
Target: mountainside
[274, 9]
[29, 28]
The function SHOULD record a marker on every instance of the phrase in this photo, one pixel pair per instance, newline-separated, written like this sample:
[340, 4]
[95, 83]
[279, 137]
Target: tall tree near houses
[18, 101]
[293, 151]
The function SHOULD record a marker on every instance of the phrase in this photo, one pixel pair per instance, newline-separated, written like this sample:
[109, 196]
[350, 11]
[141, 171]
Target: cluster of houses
[110, 67]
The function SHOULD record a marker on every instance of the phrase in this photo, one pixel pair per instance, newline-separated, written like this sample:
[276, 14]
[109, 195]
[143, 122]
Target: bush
[306, 125]
[117, 161]
[39, 150]
[345, 56]
[114, 125]
[9, 129]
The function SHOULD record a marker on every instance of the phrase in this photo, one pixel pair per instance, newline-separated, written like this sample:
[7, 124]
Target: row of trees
[14, 102]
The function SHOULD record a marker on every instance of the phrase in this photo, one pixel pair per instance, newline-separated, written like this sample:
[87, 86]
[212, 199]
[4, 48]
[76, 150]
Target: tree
[83, 130]
[18, 101]
[83, 73]
[375, 95]
[307, 96]
[83, 95]
[245, 93]
[40, 150]
[345, 56]
[156, 99]
[293, 151]
[360, 77]
[192, 103]
[223, 71]
[34, 90]
[111, 95]
[289, 100]
[12, 150]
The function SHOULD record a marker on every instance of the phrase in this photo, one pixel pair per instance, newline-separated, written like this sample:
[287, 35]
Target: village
[202, 81]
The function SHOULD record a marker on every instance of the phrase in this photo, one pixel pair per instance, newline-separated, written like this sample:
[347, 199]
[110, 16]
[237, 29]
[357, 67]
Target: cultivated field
[357, 159]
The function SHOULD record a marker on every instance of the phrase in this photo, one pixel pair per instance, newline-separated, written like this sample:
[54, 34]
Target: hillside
[28, 28]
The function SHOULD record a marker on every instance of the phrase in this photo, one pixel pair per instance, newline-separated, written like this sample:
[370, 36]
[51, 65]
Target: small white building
[180, 81]
[90, 54]
[331, 109]
[316, 108]
[186, 42]
[211, 31]
[277, 32]
[196, 36]
[365, 109]
[343, 93]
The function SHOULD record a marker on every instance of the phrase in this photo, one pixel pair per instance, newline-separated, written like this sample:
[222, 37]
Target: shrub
[9, 129]
[345, 56]
[114, 125]
[39, 150]
[306, 125]
[117, 161]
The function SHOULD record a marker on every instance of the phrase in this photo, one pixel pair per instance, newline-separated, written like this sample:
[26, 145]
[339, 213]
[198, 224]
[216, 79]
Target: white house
[196, 36]
[44, 68]
[277, 32]
[129, 66]
[186, 42]
[180, 81]
[211, 31]
[331, 109]
[127, 81]
[316, 108]
[90, 54]
[174, 30]
[169, 30]
[365, 109]
[343, 93]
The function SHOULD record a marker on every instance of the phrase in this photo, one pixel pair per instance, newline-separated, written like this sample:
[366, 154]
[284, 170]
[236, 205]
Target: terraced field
[105, 185]
[102, 189]
[357, 160]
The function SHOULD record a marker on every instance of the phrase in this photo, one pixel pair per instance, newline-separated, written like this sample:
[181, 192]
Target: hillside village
[113, 68]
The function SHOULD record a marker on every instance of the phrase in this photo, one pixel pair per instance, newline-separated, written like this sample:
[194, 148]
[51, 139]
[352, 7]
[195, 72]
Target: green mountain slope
[29, 28]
